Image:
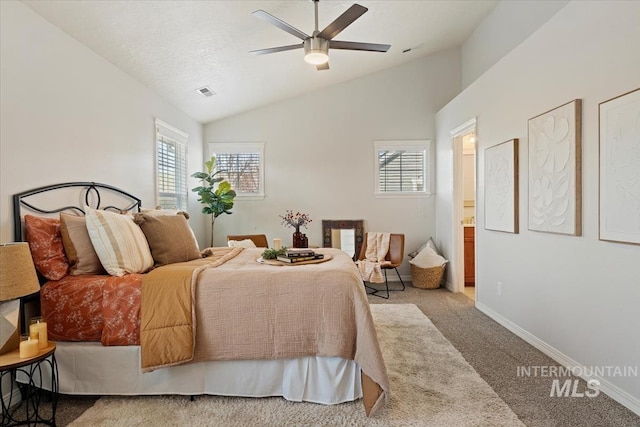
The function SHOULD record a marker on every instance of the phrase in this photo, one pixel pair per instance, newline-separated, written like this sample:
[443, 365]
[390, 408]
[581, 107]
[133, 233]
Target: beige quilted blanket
[166, 310]
[247, 310]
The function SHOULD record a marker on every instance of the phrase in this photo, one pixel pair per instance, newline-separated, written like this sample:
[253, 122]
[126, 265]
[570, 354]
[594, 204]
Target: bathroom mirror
[343, 234]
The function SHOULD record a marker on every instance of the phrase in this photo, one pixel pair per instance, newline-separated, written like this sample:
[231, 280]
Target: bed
[220, 323]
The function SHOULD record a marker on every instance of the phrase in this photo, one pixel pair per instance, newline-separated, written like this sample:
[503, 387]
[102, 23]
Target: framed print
[555, 168]
[619, 206]
[501, 187]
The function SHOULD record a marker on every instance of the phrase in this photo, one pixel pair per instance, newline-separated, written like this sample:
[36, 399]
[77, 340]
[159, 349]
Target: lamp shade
[18, 276]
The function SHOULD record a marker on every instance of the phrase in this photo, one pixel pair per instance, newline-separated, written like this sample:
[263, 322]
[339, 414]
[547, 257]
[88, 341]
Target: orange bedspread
[93, 308]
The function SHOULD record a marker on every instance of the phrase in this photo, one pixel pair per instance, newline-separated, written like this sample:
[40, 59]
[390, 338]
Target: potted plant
[215, 193]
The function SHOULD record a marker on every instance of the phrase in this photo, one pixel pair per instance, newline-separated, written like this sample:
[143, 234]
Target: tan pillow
[163, 212]
[170, 238]
[119, 242]
[159, 211]
[78, 247]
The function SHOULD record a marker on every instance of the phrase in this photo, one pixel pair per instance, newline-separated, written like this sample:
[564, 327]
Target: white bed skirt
[90, 368]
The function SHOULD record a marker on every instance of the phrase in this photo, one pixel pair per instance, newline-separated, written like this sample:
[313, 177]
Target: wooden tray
[278, 263]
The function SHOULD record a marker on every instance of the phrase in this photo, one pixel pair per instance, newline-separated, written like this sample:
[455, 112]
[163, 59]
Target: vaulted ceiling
[177, 47]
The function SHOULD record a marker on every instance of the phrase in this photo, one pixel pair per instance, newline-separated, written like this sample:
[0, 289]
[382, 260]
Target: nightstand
[29, 408]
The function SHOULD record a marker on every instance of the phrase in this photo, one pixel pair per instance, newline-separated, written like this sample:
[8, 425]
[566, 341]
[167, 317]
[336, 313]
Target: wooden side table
[32, 395]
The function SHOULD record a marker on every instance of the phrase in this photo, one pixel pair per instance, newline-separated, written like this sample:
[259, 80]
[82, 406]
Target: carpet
[431, 385]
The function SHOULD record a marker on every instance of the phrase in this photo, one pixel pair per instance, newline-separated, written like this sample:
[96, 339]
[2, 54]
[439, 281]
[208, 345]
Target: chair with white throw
[379, 253]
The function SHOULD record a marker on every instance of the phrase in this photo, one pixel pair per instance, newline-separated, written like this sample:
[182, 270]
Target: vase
[298, 239]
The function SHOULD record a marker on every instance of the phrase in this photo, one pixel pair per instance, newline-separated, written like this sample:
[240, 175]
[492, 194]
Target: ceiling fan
[316, 47]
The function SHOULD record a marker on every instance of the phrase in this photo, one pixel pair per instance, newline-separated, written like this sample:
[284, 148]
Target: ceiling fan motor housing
[316, 50]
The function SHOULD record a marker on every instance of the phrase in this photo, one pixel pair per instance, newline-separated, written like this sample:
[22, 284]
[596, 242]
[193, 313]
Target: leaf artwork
[501, 185]
[620, 168]
[552, 170]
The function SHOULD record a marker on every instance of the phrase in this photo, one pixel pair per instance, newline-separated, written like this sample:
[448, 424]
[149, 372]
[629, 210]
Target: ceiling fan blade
[277, 49]
[324, 66]
[342, 21]
[369, 47]
[261, 14]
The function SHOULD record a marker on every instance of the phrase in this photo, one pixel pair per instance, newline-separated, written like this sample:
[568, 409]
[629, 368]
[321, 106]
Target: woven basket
[427, 278]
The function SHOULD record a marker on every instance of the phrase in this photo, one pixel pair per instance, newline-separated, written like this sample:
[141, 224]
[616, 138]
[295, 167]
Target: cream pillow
[429, 243]
[119, 242]
[246, 243]
[428, 258]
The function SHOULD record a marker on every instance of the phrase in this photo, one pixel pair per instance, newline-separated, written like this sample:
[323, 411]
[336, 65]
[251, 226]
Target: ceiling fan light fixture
[316, 51]
[316, 58]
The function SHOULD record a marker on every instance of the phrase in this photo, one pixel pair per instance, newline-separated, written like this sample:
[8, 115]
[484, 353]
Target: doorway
[469, 211]
[464, 142]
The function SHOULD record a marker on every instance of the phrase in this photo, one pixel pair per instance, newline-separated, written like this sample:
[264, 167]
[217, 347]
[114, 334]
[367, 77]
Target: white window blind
[171, 167]
[242, 164]
[402, 168]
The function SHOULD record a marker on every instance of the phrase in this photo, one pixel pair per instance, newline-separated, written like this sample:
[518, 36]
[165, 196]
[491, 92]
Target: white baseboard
[449, 286]
[393, 277]
[611, 390]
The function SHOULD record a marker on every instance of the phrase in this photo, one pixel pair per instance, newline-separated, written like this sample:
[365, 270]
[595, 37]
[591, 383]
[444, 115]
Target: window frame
[180, 140]
[409, 145]
[243, 148]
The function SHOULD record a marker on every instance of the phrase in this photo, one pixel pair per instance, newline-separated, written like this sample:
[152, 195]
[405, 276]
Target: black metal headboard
[89, 192]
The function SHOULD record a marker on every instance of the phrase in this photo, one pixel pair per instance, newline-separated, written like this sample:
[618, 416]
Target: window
[171, 167]
[242, 164]
[402, 168]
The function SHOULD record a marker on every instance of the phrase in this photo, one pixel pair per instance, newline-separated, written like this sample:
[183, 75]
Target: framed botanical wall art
[555, 170]
[620, 168]
[501, 187]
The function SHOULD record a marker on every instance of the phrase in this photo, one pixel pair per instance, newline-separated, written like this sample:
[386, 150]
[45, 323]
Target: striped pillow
[119, 242]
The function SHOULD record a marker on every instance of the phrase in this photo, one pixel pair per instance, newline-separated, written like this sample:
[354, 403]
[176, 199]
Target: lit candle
[277, 244]
[28, 348]
[38, 331]
[44, 337]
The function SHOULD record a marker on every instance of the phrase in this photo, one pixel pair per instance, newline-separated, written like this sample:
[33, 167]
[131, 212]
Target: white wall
[575, 297]
[504, 28]
[69, 115]
[469, 184]
[319, 151]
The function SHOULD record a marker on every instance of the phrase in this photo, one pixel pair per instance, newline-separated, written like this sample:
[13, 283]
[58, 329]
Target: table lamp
[18, 278]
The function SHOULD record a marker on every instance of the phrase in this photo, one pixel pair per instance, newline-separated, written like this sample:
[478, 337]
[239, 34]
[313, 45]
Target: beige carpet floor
[428, 388]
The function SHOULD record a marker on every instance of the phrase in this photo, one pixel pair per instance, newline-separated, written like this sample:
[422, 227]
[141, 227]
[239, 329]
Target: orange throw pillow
[45, 242]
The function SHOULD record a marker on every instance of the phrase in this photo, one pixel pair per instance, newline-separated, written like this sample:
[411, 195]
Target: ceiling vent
[205, 91]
